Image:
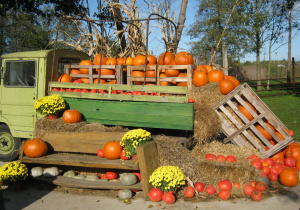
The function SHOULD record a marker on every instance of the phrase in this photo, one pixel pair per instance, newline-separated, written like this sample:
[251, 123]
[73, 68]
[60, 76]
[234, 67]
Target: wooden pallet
[242, 132]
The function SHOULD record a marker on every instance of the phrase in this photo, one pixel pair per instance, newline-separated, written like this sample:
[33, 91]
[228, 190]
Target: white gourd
[125, 194]
[92, 177]
[70, 173]
[51, 172]
[36, 172]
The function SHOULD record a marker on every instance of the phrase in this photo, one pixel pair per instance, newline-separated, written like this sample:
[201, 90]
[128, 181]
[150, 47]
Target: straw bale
[206, 122]
[43, 125]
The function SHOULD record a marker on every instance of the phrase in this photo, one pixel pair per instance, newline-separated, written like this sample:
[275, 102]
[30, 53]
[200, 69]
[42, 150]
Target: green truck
[28, 76]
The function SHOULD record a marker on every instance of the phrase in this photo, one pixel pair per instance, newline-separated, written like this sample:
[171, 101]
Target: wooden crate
[243, 132]
[187, 69]
[92, 75]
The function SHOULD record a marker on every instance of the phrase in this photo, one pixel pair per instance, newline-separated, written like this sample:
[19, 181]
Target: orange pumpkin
[245, 111]
[150, 73]
[71, 116]
[200, 77]
[293, 151]
[279, 135]
[113, 82]
[298, 165]
[289, 177]
[166, 58]
[102, 81]
[129, 61]
[279, 156]
[152, 60]
[85, 80]
[209, 68]
[139, 60]
[75, 71]
[111, 61]
[121, 61]
[184, 58]
[172, 72]
[226, 86]
[234, 80]
[106, 71]
[65, 78]
[96, 60]
[35, 148]
[264, 132]
[215, 76]
[163, 83]
[138, 74]
[201, 68]
[85, 62]
[182, 83]
[112, 150]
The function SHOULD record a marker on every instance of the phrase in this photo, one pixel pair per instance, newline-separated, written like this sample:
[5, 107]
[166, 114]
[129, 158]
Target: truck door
[18, 94]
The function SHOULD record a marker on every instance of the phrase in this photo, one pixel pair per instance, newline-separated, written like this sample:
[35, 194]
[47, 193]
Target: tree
[36, 7]
[211, 19]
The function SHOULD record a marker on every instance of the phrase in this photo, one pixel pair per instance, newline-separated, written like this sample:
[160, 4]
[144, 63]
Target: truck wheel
[9, 146]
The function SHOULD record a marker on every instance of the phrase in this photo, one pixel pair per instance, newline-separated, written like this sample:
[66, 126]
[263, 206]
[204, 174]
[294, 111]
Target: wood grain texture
[86, 184]
[81, 160]
[83, 142]
[148, 161]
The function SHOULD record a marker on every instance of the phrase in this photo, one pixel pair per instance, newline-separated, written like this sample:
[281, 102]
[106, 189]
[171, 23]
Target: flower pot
[52, 116]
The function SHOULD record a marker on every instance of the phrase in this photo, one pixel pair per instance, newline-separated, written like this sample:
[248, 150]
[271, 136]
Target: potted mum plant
[13, 174]
[132, 139]
[51, 106]
[167, 178]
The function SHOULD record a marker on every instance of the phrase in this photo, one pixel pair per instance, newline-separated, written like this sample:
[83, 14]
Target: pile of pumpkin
[202, 75]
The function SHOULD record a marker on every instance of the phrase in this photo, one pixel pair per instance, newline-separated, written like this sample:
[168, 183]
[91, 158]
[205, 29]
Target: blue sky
[156, 47]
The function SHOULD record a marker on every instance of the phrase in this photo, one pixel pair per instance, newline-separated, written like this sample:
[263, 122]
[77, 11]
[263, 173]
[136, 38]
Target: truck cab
[24, 79]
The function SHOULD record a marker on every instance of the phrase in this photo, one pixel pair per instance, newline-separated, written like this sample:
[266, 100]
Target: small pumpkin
[138, 74]
[200, 77]
[289, 177]
[151, 59]
[264, 132]
[85, 62]
[71, 116]
[245, 111]
[125, 194]
[51, 172]
[226, 86]
[37, 171]
[80, 176]
[264, 180]
[70, 173]
[35, 148]
[172, 72]
[163, 83]
[65, 78]
[111, 61]
[92, 177]
[96, 60]
[215, 76]
[139, 60]
[184, 58]
[128, 179]
[166, 58]
[112, 150]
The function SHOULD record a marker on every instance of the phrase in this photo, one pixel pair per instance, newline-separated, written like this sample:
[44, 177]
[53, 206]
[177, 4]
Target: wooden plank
[86, 184]
[82, 160]
[81, 142]
[148, 161]
[138, 114]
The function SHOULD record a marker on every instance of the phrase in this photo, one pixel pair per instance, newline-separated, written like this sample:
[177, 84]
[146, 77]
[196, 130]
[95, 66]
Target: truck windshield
[20, 73]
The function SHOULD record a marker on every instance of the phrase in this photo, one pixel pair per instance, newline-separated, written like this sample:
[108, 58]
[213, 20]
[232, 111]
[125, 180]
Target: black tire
[9, 146]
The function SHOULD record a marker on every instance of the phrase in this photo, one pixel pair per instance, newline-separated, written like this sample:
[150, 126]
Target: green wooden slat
[140, 114]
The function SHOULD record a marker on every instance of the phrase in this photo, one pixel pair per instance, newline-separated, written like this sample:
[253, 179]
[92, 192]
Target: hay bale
[43, 126]
[207, 123]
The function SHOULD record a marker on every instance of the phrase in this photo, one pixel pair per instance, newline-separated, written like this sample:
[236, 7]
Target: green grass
[286, 108]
